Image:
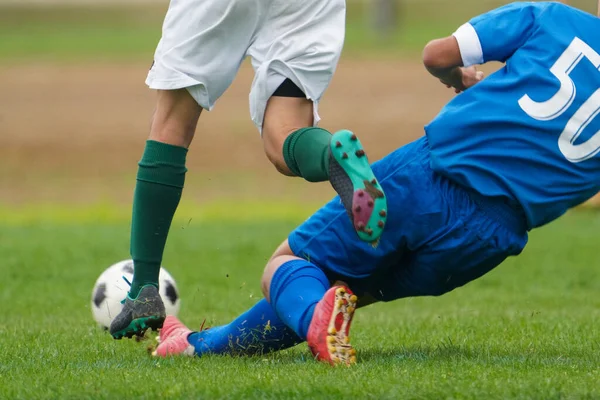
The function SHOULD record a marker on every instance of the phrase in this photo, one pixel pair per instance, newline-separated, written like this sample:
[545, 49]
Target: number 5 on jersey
[562, 100]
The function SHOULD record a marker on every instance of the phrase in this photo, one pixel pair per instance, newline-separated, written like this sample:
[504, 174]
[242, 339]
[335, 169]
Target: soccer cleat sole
[139, 326]
[368, 205]
[339, 348]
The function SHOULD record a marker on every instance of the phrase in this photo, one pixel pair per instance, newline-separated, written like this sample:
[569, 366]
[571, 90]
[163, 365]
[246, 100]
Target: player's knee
[175, 119]
[273, 145]
[272, 267]
[283, 116]
[172, 132]
[281, 255]
[275, 156]
[265, 281]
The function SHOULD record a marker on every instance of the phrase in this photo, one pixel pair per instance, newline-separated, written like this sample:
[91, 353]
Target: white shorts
[205, 41]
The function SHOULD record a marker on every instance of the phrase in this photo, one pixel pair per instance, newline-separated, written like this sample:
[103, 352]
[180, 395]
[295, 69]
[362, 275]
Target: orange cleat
[173, 339]
[328, 335]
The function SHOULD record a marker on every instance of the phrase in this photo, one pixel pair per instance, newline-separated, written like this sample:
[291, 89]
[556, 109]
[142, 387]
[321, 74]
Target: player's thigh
[203, 45]
[327, 239]
[300, 41]
[458, 257]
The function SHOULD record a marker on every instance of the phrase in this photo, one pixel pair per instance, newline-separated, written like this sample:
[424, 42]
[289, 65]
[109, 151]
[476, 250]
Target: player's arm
[443, 59]
[494, 36]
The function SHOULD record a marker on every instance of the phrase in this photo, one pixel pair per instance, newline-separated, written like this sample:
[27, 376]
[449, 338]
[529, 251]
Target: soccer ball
[111, 288]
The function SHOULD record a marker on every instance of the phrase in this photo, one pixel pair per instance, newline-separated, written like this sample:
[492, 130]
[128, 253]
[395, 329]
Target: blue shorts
[438, 235]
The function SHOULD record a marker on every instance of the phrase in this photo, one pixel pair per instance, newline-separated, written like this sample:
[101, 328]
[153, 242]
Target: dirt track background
[74, 133]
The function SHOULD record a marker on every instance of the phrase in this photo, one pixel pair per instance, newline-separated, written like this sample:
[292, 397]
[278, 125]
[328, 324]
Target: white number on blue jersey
[562, 100]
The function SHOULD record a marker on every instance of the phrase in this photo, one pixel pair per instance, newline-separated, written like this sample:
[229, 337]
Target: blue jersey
[528, 132]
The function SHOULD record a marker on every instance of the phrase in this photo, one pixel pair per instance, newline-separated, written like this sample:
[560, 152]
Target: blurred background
[75, 112]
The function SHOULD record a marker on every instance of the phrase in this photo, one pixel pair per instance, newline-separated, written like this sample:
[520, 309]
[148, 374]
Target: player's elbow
[431, 55]
[441, 54]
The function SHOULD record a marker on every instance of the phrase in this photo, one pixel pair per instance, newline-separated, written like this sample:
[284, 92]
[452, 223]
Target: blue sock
[296, 288]
[257, 331]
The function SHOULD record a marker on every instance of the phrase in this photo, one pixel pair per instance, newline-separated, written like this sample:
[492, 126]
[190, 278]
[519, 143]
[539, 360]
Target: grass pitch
[526, 330]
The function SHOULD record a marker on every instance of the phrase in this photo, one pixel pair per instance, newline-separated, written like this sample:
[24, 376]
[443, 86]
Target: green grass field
[526, 330]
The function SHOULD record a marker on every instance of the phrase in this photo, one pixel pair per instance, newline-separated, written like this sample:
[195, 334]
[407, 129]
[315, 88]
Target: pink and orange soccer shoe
[328, 335]
[173, 339]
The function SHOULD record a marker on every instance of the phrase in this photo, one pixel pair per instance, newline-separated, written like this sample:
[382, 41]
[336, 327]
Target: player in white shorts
[294, 47]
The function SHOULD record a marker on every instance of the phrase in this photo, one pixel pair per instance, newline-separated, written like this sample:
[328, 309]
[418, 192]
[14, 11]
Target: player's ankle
[136, 288]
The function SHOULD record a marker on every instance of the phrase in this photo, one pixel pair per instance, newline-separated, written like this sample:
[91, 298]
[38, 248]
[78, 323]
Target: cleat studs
[338, 144]
[369, 232]
[345, 156]
[358, 209]
[347, 339]
[381, 224]
[370, 203]
[332, 331]
[361, 193]
[374, 181]
[353, 298]
[382, 213]
[352, 352]
[350, 310]
[331, 349]
[360, 226]
[360, 153]
[352, 360]
[330, 339]
[340, 303]
[353, 137]
[340, 291]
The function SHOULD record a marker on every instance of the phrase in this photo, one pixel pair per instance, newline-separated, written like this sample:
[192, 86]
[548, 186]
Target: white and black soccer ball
[111, 288]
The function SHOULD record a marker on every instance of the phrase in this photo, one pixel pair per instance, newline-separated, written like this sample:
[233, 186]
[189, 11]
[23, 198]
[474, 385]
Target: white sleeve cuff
[469, 45]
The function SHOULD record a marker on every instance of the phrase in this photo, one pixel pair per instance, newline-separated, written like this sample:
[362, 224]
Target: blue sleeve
[504, 30]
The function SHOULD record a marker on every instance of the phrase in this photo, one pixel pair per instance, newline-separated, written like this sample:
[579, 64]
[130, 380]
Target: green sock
[306, 153]
[160, 179]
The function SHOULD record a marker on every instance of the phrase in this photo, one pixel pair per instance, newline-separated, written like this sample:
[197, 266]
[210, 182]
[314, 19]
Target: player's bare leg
[296, 148]
[175, 118]
[160, 180]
